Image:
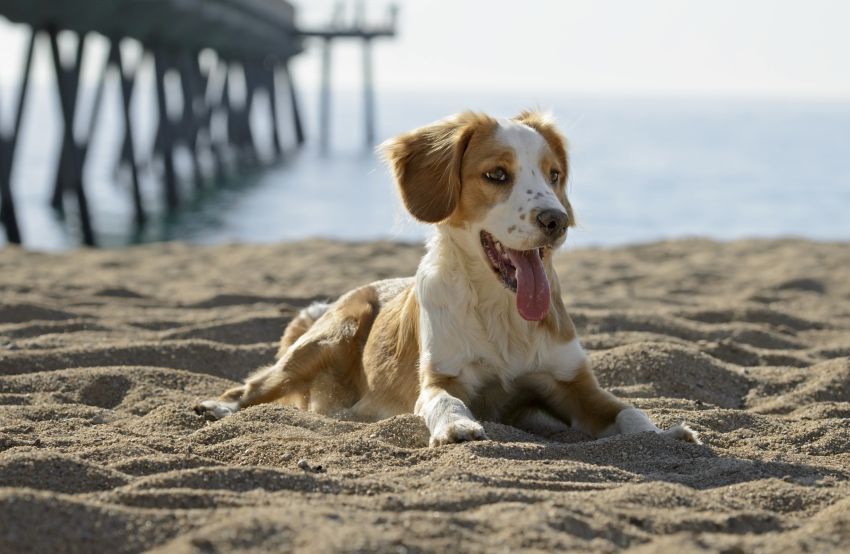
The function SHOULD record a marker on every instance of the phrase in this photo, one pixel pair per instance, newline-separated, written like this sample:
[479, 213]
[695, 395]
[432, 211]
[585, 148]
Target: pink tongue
[532, 286]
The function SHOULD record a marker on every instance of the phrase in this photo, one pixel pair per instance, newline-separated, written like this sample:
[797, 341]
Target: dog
[481, 331]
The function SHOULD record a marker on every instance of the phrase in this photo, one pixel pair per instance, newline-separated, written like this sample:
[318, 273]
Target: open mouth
[522, 272]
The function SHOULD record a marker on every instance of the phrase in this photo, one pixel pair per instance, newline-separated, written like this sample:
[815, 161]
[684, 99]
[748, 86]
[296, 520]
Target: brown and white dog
[481, 332]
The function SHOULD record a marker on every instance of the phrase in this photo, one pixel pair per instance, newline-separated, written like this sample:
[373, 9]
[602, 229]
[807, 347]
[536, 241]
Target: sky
[798, 48]
[777, 48]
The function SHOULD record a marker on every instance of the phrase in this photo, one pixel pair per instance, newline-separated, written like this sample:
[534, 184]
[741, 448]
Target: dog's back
[300, 324]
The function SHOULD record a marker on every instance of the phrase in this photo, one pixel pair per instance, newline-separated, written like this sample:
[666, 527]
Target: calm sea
[642, 169]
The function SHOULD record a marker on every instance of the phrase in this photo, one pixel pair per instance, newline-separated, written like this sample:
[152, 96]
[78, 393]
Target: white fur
[531, 193]
[449, 420]
[683, 433]
[215, 409]
[568, 359]
[316, 310]
[632, 420]
[469, 324]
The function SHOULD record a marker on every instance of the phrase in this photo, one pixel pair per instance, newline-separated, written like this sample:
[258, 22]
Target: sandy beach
[104, 353]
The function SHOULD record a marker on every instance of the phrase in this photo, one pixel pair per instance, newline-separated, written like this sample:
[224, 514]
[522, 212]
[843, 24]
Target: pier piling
[293, 106]
[70, 175]
[128, 152]
[8, 145]
[368, 93]
[338, 30]
[165, 132]
[325, 98]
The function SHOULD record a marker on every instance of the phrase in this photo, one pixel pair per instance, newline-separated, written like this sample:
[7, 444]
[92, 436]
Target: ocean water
[643, 169]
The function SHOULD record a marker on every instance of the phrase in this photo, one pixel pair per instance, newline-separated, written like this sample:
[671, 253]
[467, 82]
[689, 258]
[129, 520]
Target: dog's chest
[495, 345]
[470, 325]
[514, 351]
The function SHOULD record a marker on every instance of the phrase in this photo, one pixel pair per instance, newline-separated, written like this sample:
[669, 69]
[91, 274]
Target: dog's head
[503, 181]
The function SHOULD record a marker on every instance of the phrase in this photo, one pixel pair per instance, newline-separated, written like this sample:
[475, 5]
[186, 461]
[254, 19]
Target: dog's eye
[497, 175]
[554, 177]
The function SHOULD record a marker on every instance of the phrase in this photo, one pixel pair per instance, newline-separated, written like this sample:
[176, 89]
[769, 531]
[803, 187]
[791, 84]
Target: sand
[103, 354]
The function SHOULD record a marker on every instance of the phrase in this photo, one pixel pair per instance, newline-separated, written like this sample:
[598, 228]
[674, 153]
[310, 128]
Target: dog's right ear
[427, 164]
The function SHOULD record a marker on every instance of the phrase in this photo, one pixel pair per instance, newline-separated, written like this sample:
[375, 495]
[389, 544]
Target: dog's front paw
[213, 410]
[459, 430]
[683, 433]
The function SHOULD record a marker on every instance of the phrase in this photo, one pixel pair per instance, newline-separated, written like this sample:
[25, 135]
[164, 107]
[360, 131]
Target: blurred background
[724, 119]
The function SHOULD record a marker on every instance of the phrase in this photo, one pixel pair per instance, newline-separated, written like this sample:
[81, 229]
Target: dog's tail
[300, 324]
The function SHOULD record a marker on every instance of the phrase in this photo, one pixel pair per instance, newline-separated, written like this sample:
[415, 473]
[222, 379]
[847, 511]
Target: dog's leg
[589, 408]
[333, 336]
[291, 375]
[442, 404]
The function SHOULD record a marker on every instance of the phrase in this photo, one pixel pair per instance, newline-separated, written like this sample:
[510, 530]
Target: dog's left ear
[427, 164]
[544, 124]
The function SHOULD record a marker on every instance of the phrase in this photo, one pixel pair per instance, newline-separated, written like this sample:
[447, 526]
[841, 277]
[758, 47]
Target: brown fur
[391, 360]
[427, 165]
[297, 327]
[483, 153]
[321, 368]
[557, 321]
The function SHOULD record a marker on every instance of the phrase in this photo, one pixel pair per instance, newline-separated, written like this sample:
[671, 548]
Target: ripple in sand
[827, 381]
[774, 318]
[237, 479]
[52, 471]
[160, 463]
[35, 521]
[195, 355]
[25, 313]
[249, 330]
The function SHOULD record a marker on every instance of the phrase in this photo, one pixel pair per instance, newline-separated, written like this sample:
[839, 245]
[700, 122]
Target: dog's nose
[552, 222]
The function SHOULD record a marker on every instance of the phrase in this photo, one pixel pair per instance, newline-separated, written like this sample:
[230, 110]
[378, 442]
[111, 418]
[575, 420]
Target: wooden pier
[361, 31]
[253, 41]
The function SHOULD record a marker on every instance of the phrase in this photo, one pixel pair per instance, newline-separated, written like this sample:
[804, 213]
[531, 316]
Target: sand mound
[103, 353]
[671, 371]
